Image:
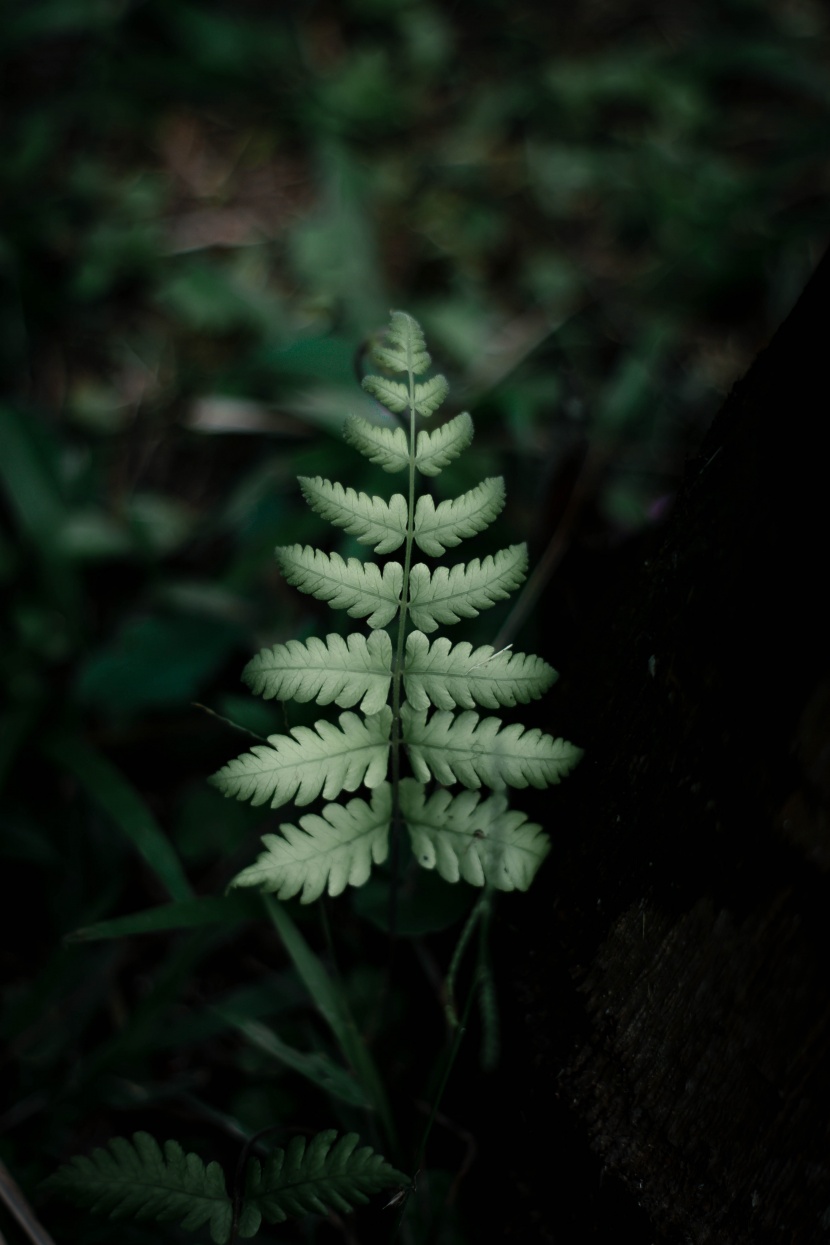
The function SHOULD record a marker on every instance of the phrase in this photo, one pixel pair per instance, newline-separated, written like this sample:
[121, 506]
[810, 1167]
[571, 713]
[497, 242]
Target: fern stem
[397, 673]
[448, 1067]
[490, 1044]
[457, 956]
[229, 722]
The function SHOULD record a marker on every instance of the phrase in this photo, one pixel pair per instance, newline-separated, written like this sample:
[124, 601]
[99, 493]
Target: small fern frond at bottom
[135, 1180]
[463, 836]
[332, 851]
[325, 1174]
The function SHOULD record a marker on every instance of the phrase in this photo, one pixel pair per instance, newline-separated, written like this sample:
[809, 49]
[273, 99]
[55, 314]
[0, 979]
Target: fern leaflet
[472, 750]
[371, 519]
[462, 591]
[463, 836]
[332, 851]
[134, 1179]
[447, 675]
[393, 395]
[403, 348]
[334, 670]
[312, 1178]
[310, 762]
[359, 588]
[424, 399]
[434, 450]
[385, 446]
[440, 528]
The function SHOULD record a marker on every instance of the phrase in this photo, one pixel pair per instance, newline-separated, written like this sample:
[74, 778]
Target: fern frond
[371, 519]
[438, 528]
[337, 669]
[359, 588]
[332, 851]
[403, 348]
[463, 836]
[447, 675]
[449, 594]
[310, 762]
[134, 1179]
[326, 1174]
[434, 450]
[385, 446]
[473, 750]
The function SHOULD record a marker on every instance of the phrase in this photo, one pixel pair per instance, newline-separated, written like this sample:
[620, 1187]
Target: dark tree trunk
[668, 1064]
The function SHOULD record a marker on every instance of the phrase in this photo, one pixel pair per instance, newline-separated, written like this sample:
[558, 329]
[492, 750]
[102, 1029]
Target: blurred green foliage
[599, 216]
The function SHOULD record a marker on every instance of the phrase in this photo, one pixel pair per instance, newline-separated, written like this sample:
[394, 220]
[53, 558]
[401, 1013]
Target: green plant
[138, 1180]
[396, 682]
[415, 694]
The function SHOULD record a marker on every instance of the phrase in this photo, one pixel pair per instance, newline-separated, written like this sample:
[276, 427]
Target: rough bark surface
[671, 1013]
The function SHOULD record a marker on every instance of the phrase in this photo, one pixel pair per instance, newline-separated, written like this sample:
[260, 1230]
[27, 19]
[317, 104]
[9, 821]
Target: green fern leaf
[434, 450]
[310, 762]
[440, 528]
[429, 395]
[371, 519]
[447, 675]
[424, 399]
[332, 851]
[403, 348]
[393, 395]
[359, 588]
[326, 1174]
[334, 670]
[463, 836]
[449, 594]
[385, 446]
[136, 1180]
[473, 750]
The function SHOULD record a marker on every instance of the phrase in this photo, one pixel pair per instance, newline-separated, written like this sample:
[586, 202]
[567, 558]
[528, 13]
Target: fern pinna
[414, 693]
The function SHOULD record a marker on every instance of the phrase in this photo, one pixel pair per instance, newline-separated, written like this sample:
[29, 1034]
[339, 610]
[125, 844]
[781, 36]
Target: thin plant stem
[455, 962]
[448, 1067]
[397, 673]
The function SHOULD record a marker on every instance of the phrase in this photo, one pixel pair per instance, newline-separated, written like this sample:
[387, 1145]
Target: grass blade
[181, 914]
[111, 791]
[331, 1003]
[315, 1067]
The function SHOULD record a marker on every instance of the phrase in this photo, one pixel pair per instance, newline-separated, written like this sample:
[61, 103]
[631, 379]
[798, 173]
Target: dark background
[600, 217]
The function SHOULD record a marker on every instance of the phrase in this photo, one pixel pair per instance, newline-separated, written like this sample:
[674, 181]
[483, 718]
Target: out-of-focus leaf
[333, 1007]
[108, 787]
[156, 661]
[182, 914]
[315, 1066]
